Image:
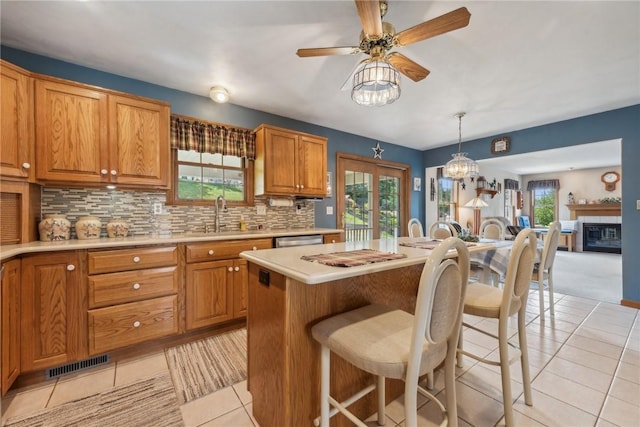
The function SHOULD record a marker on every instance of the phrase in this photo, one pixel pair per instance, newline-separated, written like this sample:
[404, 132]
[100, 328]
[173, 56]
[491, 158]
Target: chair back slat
[551, 241]
[519, 269]
[415, 228]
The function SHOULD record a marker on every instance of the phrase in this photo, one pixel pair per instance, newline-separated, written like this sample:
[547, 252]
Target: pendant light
[460, 167]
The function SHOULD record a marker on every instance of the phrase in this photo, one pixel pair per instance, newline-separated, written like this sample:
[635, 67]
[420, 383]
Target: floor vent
[77, 366]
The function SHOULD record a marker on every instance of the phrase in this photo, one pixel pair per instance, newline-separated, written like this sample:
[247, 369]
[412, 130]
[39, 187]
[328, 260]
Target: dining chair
[391, 343]
[441, 230]
[544, 269]
[492, 229]
[415, 228]
[495, 303]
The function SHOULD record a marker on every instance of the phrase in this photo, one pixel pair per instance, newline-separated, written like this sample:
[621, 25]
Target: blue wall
[202, 107]
[622, 123]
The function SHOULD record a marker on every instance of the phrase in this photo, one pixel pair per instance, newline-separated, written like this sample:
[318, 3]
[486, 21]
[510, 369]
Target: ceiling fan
[378, 37]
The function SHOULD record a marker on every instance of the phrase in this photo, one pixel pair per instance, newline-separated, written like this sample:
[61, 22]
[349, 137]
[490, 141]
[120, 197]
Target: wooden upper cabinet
[71, 133]
[16, 133]
[139, 141]
[86, 134]
[290, 163]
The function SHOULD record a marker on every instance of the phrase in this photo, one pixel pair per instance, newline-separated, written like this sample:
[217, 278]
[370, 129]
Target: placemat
[352, 258]
[429, 244]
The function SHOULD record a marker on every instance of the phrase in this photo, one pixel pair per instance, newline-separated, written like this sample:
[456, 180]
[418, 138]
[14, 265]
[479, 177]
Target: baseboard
[630, 303]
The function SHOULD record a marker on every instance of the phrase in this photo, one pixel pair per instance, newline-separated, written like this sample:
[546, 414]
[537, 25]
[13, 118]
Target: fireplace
[597, 237]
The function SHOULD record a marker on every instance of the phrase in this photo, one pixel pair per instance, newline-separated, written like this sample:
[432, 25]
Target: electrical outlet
[638, 205]
[157, 208]
[261, 210]
[298, 209]
[329, 210]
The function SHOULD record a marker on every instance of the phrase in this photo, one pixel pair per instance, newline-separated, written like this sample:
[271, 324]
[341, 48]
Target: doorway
[373, 197]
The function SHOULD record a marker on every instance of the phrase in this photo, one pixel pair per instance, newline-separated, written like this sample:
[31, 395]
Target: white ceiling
[518, 64]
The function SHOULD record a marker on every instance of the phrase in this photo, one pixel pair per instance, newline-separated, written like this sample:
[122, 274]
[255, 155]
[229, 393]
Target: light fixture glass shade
[461, 167]
[375, 83]
[476, 203]
[219, 94]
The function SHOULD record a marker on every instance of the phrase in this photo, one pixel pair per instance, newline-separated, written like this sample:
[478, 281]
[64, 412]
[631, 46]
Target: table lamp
[476, 203]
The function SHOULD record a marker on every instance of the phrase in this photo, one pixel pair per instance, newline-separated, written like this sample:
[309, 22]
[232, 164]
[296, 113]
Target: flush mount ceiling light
[375, 83]
[219, 94]
[461, 167]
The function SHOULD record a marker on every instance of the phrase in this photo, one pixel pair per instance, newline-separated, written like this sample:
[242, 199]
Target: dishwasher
[304, 240]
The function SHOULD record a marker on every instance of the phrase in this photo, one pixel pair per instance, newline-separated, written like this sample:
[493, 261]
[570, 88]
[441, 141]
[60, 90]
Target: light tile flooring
[585, 367]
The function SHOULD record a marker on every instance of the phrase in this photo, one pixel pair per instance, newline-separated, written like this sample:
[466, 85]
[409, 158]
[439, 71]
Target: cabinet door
[10, 349]
[240, 288]
[312, 166]
[280, 169]
[71, 133]
[16, 133]
[52, 316]
[138, 141]
[209, 293]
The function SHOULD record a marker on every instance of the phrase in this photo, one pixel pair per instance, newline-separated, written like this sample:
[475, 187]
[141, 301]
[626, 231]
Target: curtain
[511, 184]
[203, 137]
[543, 184]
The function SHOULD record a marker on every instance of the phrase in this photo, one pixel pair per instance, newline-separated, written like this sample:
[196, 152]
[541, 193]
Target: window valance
[213, 138]
[543, 184]
[511, 184]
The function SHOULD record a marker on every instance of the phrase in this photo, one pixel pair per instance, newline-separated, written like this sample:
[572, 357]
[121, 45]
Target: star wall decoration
[377, 151]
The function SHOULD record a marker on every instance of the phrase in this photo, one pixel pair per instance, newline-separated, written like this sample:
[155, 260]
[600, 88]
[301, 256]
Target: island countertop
[287, 261]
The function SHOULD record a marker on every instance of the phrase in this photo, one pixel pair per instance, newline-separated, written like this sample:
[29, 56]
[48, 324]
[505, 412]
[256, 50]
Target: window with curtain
[446, 206]
[544, 201]
[210, 160]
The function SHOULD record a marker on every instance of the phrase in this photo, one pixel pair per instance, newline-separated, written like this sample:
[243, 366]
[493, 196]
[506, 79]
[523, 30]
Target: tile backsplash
[136, 207]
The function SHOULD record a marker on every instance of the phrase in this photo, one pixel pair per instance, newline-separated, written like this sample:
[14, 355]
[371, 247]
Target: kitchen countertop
[287, 261]
[8, 251]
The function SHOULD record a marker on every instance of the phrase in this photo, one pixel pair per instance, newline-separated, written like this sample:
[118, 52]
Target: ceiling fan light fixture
[461, 167]
[375, 83]
[219, 94]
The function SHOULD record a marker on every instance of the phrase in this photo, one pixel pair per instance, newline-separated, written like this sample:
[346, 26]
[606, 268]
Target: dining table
[496, 258]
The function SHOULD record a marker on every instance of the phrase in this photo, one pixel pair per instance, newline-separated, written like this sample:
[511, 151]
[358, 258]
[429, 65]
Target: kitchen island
[288, 295]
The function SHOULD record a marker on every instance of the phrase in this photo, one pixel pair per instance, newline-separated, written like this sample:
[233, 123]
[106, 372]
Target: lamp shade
[375, 83]
[476, 203]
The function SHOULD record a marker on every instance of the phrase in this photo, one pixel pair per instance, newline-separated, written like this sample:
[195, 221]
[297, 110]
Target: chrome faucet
[224, 208]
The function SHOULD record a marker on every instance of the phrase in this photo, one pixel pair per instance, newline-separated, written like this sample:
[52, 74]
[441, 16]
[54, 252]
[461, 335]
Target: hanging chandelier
[460, 167]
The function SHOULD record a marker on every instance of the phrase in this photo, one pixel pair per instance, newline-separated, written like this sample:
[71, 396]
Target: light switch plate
[157, 208]
[638, 205]
[329, 210]
[261, 210]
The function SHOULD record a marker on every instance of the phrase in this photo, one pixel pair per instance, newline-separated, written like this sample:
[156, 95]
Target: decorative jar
[117, 228]
[54, 227]
[88, 227]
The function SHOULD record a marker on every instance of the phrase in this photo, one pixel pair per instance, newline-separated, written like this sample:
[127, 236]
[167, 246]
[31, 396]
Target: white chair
[492, 229]
[490, 302]
[415, 228]
[441, 230]
[388, 342]
[544, 269]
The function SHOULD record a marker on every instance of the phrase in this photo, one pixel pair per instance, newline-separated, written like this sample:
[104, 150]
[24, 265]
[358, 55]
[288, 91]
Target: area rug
[150, 402]
[202, 367]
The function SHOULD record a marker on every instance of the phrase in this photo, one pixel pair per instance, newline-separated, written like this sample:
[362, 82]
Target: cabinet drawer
[126, 324]
[129, 286]
[208, 251]
[132, 259]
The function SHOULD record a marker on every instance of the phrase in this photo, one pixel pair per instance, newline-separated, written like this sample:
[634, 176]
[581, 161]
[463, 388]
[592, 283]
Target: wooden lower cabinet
[10, 319]
[333, 238]
[53, 322]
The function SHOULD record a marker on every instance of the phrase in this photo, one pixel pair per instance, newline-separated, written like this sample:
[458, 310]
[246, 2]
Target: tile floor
[585, 367]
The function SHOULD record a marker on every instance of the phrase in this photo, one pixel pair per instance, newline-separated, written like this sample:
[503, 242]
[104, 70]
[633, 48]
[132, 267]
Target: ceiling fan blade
[323, 51]
[453, 20]
[406, 66]
[369, 11]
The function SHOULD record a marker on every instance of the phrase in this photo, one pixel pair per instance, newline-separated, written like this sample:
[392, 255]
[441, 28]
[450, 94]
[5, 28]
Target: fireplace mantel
[595, 209]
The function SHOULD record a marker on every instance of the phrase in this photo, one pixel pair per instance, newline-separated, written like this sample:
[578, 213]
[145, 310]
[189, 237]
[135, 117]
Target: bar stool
[491, 302]
[392, 343]
[544, 269]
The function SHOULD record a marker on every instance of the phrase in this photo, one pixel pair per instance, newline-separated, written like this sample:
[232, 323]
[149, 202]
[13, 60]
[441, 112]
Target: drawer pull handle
[113, 172]
[103, 171]
[255, 249]
[237, 269]
[136, 259]
[230, 268]
[71, 267]
[136, 286]
[26, 165]
[136, 324]
[210, 251]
